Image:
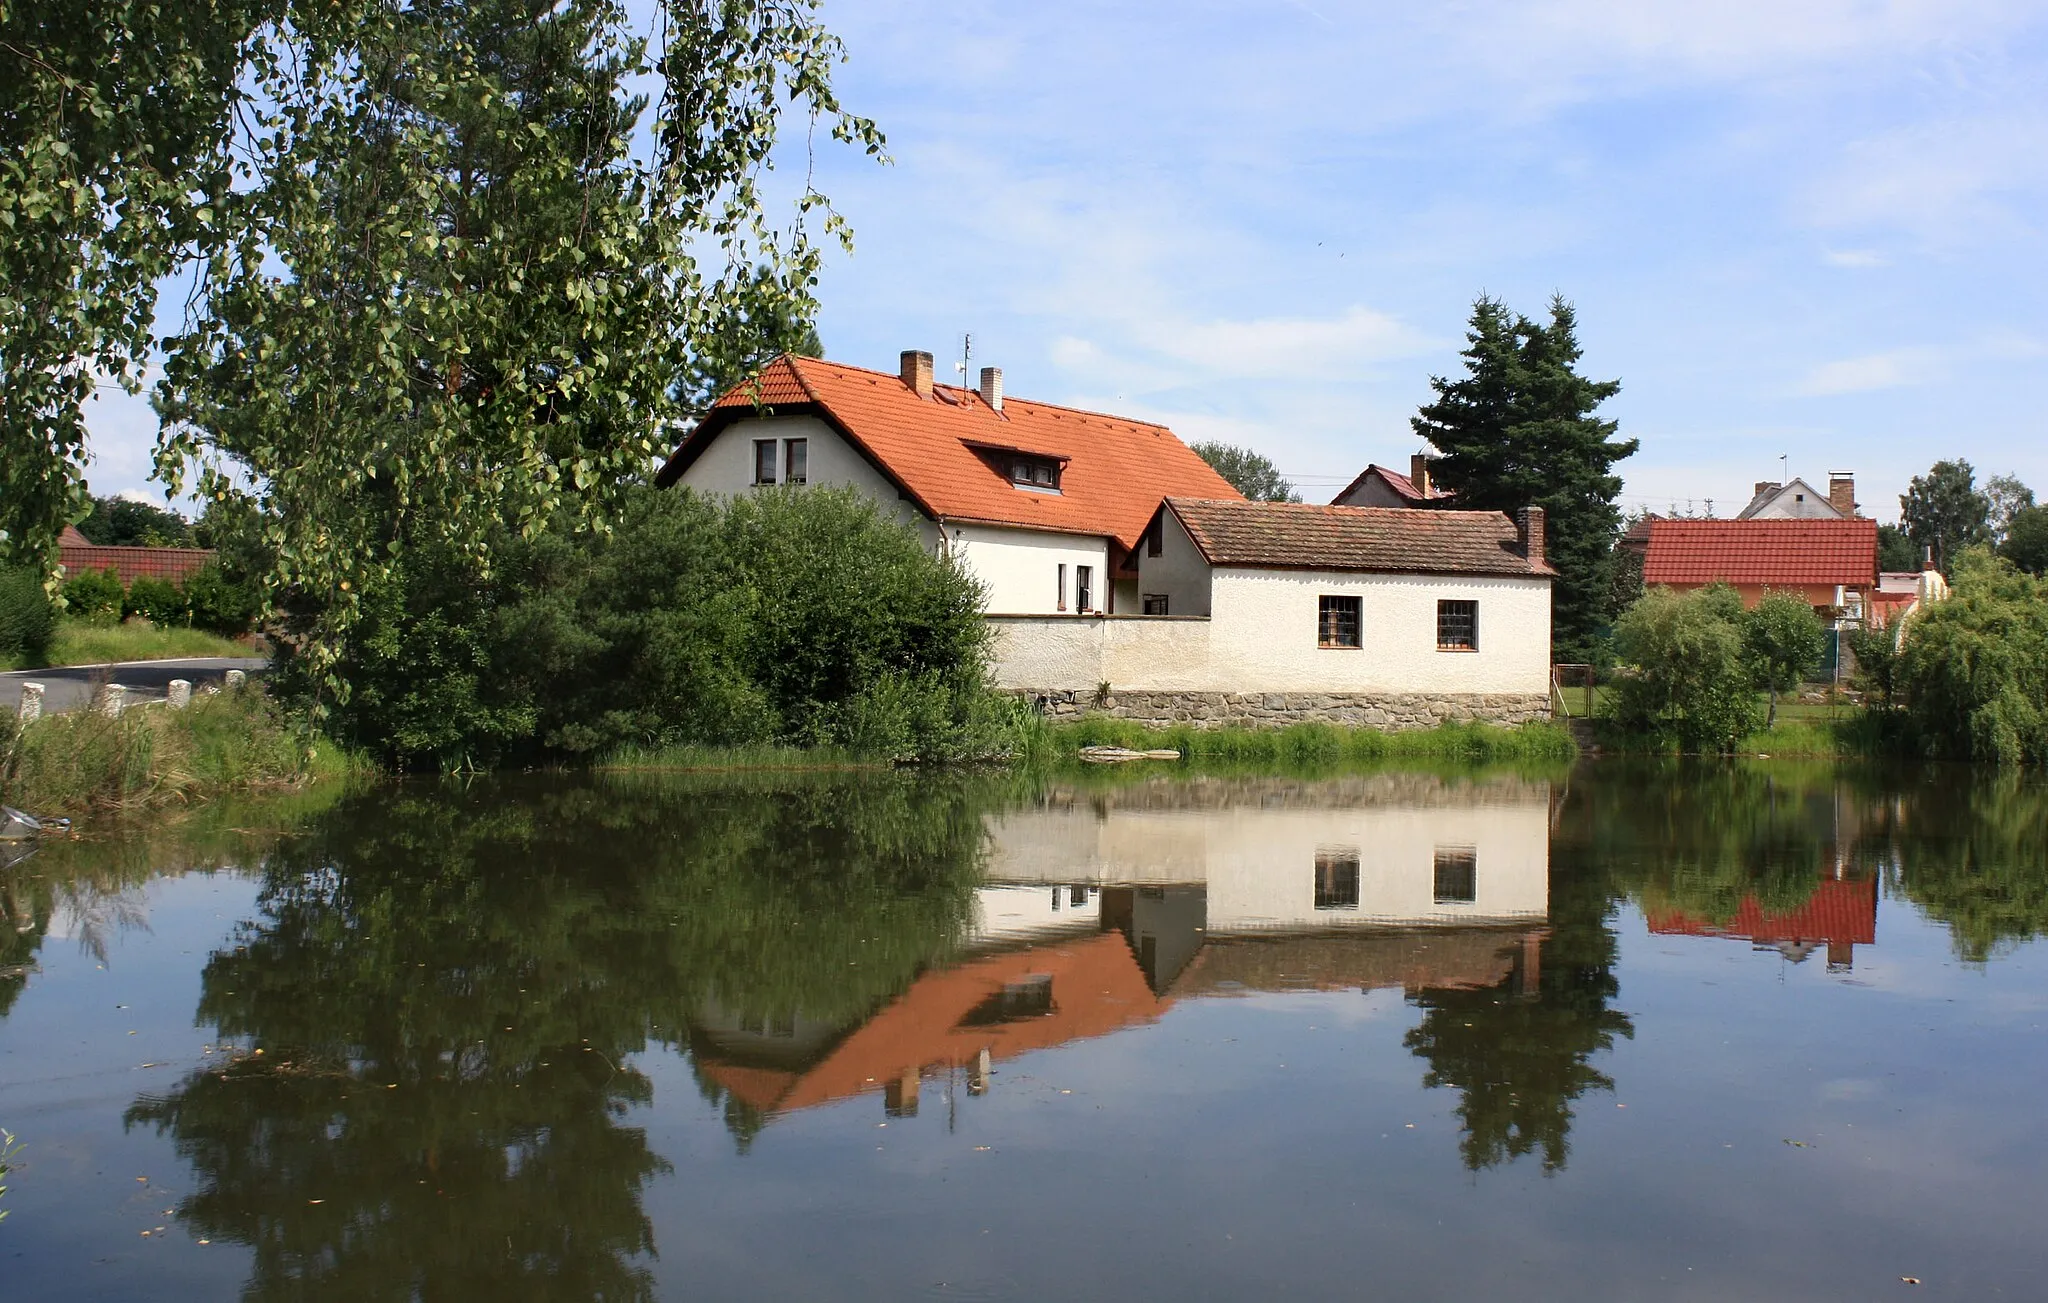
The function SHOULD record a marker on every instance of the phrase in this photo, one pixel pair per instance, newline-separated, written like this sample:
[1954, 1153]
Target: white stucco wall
[1020, 567]
[1259, 865]
[1264, 630]
[1261, 637]
[1179, 572]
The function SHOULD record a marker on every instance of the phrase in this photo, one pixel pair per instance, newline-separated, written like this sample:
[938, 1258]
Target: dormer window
[1035, 473]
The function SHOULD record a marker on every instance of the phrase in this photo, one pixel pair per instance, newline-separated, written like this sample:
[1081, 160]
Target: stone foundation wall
[1392, 712]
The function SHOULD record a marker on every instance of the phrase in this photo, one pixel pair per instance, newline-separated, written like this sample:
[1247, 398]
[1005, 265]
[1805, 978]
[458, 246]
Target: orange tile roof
[1787, 553]
[1298, 536]
[1116, 470]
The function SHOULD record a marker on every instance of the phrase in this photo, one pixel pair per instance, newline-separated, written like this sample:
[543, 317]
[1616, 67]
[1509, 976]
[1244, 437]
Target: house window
[1060, 599]
[1457, 626]
[796, 461]
[1154, 604]
[764, 461]
[1084, 588]
[1155, 537]
[1034, 473]
[1337, 622]
[1457, 875]
[1337, 877]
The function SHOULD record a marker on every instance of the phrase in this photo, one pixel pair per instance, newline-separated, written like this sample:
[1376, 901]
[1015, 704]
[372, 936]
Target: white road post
[180, 694]
[110, 699]
[31, 707]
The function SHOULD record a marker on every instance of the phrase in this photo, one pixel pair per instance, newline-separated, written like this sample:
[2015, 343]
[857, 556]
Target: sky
[1809, 229]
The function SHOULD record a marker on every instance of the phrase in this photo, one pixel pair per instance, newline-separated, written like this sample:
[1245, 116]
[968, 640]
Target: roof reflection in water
[1104, 908]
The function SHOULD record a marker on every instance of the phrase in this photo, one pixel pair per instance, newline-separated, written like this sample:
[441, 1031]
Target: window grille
[1337, 622]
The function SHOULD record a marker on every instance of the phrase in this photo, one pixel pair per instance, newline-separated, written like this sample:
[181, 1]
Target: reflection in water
[452, 989]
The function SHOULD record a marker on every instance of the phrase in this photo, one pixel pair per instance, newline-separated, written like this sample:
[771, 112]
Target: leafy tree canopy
[1895, 551]
[2026, 540]
[1688, 675]
[2007, 497]
[120, 522]
[1519, 428]
[1250, 473]
[1785, 642]
[1944, 511]
[1973, 671]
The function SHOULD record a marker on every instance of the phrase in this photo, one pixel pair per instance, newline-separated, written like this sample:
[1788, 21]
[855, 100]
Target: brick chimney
[1842, 492]
[992, 387]
[1763, 487]
[1529, 534]
[916, 370]
[1418, 473]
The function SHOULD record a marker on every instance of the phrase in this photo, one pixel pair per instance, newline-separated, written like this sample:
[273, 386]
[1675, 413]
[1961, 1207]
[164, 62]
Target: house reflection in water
[1841, 914]
[1105, 908]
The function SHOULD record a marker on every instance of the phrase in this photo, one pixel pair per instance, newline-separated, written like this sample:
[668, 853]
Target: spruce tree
[1519, 429]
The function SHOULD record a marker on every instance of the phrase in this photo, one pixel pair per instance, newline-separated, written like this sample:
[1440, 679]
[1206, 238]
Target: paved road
[71, 685]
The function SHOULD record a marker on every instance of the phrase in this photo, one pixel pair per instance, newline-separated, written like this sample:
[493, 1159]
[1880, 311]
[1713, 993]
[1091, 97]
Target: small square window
[1337, 877]
[1154, 604]
[764, 461]
[1457, 626]
[796, 461]
[1457, 875]
[1337, 622]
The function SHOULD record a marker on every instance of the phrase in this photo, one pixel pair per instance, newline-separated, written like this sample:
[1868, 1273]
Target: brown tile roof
[1406, 540]
[1116, 469]
[1786, 553]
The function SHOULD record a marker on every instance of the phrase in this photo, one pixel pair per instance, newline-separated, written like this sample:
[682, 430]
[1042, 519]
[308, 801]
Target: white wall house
[1042, 504]
[1398, 616]
[1112, 557]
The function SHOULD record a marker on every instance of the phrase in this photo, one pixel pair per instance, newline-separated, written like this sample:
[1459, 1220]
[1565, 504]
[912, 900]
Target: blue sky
[1800, 227]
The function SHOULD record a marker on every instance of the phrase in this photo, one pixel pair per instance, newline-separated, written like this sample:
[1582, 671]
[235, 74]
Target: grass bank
[1859, 735]
[1307, 744]
[80, 642]
[151, 756]
[765, 756]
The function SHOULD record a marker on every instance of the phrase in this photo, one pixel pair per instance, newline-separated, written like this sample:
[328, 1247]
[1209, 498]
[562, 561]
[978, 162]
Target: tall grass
[80, 642]
[766, 756]
[151, 756]
[1306, 744]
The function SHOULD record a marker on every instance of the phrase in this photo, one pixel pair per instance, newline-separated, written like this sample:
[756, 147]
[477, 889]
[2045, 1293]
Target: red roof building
[79, 555]
[1382, 486]
[1841, 915]
[1832, 563]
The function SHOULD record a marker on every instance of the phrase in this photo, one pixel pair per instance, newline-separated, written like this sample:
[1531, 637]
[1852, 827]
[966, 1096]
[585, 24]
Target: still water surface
[1618, 1033]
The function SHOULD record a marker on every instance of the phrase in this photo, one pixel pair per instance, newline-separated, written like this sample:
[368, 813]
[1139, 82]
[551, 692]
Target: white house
[1043, 504]
[1123, 574]
[1798, 500]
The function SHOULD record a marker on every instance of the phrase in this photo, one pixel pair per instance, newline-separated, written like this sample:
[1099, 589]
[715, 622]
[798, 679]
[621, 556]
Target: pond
[1622, 1031]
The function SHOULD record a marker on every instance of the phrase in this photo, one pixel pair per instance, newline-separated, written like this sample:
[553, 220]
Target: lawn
[81, 643]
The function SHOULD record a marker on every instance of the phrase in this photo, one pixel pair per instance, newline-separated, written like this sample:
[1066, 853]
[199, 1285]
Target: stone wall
[1389, 711]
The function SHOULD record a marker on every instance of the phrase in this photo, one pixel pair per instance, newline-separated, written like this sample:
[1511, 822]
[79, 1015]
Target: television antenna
[966, 356]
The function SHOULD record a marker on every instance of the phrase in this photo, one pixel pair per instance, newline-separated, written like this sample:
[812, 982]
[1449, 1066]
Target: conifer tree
[1519, 428]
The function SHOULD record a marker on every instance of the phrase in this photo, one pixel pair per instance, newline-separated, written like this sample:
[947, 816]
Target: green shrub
[28, 618]
[1973, 673]
[221, 605]
[806, 618]
[1687, 673]
[156, 601]
[1784, 642]
[95, 595]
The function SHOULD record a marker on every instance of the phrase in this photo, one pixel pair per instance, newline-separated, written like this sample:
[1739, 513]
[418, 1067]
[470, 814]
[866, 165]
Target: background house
[1381, 486]
[1831, 562]
[1043, 504]
[77, 555]
[1798, 500]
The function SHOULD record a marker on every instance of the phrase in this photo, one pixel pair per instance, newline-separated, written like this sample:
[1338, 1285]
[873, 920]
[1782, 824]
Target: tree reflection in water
[446, 988]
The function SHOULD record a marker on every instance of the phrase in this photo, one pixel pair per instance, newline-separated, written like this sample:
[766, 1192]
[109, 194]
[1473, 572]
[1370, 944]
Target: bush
[221, 605]
[1688, 675]
[1973, 673]
[28, 618]
[95, 596]
[1784, 642]
[156, 601]
[805, 618]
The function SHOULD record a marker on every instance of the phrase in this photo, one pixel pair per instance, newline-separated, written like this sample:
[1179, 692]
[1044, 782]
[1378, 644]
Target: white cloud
[1854, 258]
[1895, 369]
